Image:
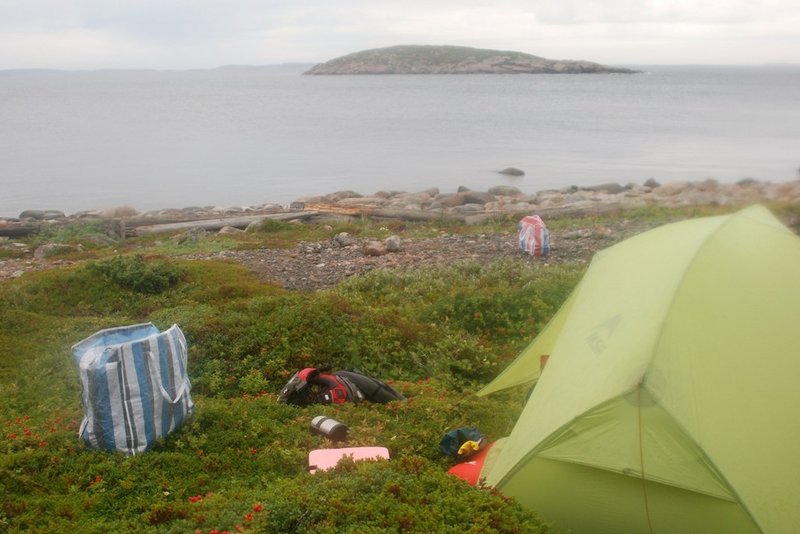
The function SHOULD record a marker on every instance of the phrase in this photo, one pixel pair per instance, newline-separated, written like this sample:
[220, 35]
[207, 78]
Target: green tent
[671, 398]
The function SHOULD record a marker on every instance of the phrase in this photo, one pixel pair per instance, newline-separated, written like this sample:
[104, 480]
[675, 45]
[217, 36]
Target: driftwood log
[149, 226]
[19, 231]
[213, 224]
[385, 213]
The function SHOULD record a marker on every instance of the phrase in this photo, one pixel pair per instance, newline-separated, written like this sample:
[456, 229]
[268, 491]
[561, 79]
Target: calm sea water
[76, 141]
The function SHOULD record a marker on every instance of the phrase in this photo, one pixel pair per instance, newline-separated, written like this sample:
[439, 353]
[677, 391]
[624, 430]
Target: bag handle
[164, 393]
[184, 385]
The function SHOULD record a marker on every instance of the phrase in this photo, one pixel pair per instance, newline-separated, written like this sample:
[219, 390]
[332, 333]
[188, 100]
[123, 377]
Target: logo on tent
[599, 337]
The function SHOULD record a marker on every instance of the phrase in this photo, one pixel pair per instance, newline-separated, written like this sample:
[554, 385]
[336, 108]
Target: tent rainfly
[671, 399]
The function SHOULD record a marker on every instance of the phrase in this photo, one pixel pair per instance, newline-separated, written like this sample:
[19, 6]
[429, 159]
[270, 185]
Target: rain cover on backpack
[534, 239]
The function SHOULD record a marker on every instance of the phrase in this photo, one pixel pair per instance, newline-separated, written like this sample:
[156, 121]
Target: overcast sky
[181, 34]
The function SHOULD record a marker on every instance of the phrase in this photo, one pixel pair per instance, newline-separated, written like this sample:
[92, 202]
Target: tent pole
[641, 455]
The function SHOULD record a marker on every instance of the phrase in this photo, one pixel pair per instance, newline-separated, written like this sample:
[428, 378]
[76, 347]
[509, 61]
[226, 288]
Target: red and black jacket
[317, 386]
[313, 386]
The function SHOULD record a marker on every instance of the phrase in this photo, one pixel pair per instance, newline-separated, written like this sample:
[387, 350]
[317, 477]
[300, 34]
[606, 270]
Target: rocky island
[430, 59]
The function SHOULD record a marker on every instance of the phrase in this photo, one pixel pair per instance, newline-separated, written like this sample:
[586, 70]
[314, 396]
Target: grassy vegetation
[240, 464]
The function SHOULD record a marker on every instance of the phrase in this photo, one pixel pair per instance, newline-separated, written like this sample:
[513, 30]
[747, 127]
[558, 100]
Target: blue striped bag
[134, 386]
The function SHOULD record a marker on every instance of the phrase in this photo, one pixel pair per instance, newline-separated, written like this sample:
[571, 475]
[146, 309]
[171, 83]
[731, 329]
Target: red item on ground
[470, 470]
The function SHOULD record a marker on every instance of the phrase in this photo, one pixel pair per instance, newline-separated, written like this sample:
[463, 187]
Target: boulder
[341, 195]
[228, 212]
[42, 215]
[674, 188]
[117, 212]
[115, 229]
[393, 244]
[374, 248]
[432, 192]
[362, 201]
[519, 207]
[52, 249]
[504, 191]
[270, 207]
[610, 188]
[449, 200]
[391, 193]
[708, 185]
[193, 236]
[422, 199]
[477, 197]
[512, 171]
[343, 239]
[466, 197]
[469, 208]
[474, 220]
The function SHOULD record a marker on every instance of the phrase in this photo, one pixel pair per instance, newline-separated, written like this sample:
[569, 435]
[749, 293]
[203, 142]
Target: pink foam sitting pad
[327, 458]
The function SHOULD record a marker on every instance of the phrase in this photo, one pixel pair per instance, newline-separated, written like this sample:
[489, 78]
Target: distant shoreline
[300, 67]
[466, 203]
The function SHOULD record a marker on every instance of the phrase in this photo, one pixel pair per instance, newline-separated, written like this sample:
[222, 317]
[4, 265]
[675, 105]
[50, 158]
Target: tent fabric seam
[540, 450]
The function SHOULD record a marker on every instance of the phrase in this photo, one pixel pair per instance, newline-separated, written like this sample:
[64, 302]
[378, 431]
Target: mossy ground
[436, 334]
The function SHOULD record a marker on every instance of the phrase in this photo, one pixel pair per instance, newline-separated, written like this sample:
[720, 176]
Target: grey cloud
[565, 12]
[210, 32]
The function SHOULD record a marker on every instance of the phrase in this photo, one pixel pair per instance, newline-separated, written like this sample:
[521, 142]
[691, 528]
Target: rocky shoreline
[464, 204]
[475, 205]
[319, 265]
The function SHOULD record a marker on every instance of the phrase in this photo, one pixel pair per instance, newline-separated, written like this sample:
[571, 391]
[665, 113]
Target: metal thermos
[329, 427]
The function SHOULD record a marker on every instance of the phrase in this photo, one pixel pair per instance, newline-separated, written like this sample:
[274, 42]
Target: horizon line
[298, 64]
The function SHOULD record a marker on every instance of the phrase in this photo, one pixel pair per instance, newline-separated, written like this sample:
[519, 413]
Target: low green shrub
[136, 274]
[241, 460]
[278, 336]
[272, 226]
[408, 495]
[69, 233]
[505, 301]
